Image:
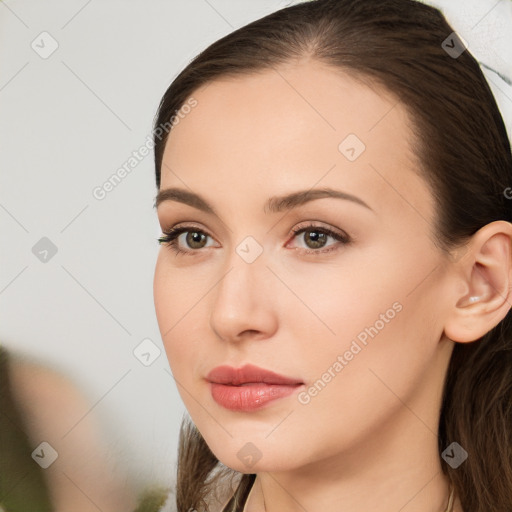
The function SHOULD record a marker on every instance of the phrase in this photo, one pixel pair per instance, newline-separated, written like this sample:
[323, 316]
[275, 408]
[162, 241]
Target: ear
[484, 284]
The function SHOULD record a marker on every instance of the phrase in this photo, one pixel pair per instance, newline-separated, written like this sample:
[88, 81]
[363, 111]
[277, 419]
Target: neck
[402, 472]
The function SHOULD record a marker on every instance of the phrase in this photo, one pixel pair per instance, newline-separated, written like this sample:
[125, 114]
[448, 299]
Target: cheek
[175, 291]
[386, 344]
[368, 328]
[172, 293]
[347, 398]
[162, 300]
[335, 303]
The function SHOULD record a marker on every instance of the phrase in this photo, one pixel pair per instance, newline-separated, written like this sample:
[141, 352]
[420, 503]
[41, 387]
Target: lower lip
[250, 396]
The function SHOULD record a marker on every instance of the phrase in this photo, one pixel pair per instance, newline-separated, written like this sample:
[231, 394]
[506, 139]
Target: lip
[249, 388]
[248, 374]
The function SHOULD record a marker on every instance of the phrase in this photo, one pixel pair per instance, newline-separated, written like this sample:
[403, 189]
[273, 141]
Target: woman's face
[357, 316]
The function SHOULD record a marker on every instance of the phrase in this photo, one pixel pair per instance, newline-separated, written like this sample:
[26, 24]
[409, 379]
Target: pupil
[316, 237]
[194, 237]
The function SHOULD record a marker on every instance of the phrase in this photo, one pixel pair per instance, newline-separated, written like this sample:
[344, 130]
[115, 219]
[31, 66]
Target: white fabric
[486, 27]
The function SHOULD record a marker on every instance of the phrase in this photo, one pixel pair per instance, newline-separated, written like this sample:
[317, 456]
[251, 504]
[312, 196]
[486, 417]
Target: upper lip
[247, 374]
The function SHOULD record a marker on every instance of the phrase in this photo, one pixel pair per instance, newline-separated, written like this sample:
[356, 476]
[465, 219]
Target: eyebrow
[273, 205]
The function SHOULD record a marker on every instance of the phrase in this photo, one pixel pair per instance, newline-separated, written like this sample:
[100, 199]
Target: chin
[248, 457]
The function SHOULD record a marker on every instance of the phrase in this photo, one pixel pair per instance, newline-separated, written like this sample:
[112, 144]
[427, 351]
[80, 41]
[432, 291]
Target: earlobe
[486, 275]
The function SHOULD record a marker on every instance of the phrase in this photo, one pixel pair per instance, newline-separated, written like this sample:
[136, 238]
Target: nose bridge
[242, 299]
[246, 269]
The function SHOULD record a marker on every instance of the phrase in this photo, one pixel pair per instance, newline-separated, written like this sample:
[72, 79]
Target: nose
[243, 305]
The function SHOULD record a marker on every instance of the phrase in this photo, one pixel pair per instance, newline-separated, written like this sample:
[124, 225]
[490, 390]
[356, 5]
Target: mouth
[250, 387]
[250, 396]
[248, 375]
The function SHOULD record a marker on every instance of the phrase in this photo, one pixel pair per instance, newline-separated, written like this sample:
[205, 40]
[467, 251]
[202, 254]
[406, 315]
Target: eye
[316, 238]
[195, 239]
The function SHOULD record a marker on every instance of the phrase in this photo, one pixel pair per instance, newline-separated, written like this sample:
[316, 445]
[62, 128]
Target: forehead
[292, 127]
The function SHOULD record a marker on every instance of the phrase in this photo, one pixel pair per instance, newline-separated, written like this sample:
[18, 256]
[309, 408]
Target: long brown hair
[460, 140]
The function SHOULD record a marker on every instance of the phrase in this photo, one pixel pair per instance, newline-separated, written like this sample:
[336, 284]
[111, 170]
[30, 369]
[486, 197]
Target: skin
[369, 438]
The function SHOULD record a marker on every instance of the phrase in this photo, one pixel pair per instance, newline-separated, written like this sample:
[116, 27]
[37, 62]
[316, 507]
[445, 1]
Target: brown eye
[314, 238]
[185, 239]
[195, 239]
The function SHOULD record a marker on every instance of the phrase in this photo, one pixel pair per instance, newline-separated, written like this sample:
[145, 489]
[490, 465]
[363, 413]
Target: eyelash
[170, 238]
